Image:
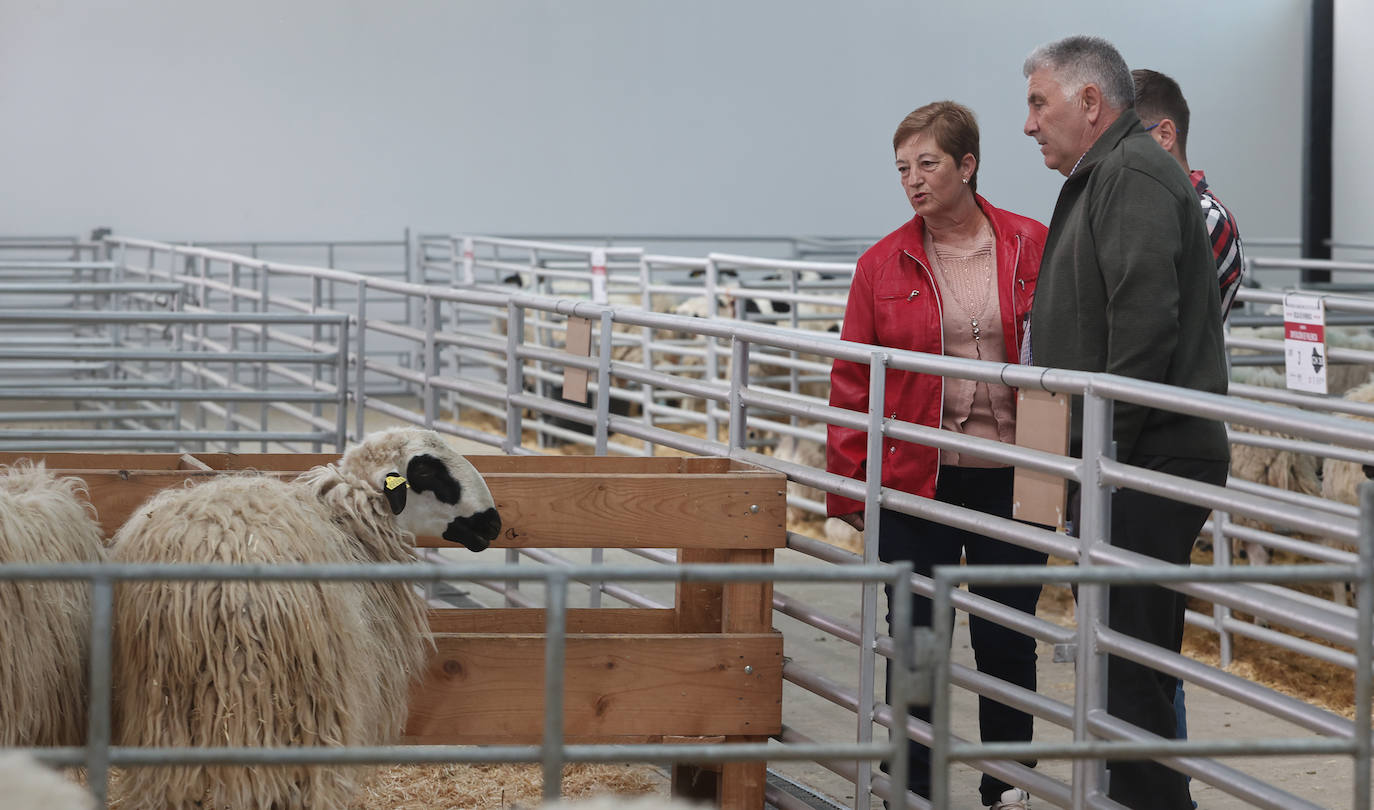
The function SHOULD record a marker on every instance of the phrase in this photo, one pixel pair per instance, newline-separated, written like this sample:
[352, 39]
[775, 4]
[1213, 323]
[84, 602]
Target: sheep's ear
[394, 487]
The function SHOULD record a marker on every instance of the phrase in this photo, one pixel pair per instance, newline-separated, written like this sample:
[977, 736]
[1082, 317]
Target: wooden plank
[687, 465]
[640, 511]
[602, 464]
[730, 510]
[742, 783]
[699, 603]
[531, 620]
[747, 607]
[489, 689]
[190, 462]
[97, 461]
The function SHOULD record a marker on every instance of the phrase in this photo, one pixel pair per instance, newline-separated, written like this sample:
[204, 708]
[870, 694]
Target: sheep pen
[212, 663]
[45, 640]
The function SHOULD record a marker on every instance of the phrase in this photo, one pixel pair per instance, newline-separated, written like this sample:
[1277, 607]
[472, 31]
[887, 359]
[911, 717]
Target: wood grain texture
[489, 688]
[531, 620]
[732, 509]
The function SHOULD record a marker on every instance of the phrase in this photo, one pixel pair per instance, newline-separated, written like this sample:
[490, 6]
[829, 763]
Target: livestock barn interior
[646, 412]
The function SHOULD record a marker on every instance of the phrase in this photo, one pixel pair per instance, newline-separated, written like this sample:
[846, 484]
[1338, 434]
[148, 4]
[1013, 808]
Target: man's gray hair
[1081, 60]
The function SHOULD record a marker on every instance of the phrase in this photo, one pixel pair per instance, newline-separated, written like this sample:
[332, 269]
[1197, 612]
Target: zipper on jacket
[1015, 269]
[940, 313]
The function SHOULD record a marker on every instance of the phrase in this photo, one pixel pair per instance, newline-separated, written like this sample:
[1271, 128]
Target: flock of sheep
[216, 663]
[1292, 470]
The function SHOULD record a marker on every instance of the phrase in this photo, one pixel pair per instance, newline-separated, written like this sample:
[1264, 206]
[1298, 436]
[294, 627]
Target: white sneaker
[1013, 799]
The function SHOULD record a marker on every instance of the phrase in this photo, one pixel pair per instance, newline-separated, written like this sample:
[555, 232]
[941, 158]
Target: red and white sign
[1304, 342]
[598, 261]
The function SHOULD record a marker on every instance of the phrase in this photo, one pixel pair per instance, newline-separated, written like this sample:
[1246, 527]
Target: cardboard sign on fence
[1042, 423]
[579, 344]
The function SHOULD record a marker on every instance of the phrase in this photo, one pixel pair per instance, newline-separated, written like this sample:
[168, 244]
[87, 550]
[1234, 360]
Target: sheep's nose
[476, 531]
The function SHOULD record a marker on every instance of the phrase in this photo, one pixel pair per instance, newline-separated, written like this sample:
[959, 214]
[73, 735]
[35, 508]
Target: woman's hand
[855, 519]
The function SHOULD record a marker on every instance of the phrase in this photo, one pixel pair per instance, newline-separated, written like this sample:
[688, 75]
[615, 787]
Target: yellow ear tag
[394, 481]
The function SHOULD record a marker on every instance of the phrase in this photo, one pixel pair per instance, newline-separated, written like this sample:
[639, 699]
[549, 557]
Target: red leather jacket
[895, 302]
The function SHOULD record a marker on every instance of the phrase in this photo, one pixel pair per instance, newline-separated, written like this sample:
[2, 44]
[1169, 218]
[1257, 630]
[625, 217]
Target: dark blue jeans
[998, 651]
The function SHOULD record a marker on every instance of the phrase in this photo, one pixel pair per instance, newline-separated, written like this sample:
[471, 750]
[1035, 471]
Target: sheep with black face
[236, 663]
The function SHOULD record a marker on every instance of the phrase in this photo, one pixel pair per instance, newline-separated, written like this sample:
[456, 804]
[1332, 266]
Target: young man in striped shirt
[1164, 112]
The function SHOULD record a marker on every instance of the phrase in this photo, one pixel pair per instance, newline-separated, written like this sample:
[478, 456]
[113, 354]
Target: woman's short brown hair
[953, 126]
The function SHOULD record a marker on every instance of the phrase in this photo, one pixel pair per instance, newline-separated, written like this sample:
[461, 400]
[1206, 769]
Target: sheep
[45, 641]
[806, 452]
[292, 663]
[1283, 469]
[1341, 479]
[28, 785]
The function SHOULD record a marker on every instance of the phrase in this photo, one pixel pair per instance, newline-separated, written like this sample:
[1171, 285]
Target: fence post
[712, 364]
[599, 294]
[868, 611]
[432, 316]
[1094, 528]
[515, 374]
[360, 377]
[1364, 650]
[739, 378]
[102, 657]
[469, 262]
[1221, 557]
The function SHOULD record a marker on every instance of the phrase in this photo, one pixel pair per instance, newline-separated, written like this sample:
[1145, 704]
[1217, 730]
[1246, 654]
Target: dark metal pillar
[1316, 169]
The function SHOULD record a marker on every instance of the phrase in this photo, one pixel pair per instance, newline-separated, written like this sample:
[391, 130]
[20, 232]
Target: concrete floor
[1324, 780]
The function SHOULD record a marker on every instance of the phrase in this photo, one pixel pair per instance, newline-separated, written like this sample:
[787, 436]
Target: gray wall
[314, 119]
[1352, 217]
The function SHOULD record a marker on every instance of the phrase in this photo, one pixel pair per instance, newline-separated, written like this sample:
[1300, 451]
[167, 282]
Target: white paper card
[1304, 342]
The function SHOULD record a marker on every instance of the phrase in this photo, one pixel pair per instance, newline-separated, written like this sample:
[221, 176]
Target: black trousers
[998, 651]
[1165, 529]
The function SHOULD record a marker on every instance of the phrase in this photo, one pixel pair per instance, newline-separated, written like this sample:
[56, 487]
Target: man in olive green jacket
[1128, 286]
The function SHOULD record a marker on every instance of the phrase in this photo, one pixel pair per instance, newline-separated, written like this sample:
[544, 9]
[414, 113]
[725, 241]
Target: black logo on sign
[1316, 360]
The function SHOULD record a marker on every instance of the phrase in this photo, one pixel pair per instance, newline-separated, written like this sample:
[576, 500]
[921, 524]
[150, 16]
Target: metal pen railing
[740, 402]
[100, 753]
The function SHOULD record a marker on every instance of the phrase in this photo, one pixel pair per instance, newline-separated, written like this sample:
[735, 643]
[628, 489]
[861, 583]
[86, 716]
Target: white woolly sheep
[291, 663]
[46, 626]
[842, 535]
[26, 784]
[1283, 469]
[808, 453]
[1341, 479]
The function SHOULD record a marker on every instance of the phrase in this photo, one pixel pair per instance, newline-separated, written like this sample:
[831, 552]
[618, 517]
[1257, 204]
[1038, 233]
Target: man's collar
[1125, 124]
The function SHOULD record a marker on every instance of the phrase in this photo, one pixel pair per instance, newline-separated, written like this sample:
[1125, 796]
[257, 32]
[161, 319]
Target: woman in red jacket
[957, 279]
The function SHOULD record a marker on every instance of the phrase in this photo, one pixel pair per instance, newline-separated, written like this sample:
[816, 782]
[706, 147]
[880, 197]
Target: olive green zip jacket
[1128, 286]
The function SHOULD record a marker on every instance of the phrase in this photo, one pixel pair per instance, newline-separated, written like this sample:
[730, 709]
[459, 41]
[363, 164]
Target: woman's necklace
[957, 264]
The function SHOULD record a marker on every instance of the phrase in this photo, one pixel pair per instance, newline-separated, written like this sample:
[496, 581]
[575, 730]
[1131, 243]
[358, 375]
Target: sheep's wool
[261, 664]
[44, 626]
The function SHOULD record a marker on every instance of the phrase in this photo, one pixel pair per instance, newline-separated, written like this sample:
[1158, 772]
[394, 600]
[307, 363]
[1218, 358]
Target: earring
[965, 181]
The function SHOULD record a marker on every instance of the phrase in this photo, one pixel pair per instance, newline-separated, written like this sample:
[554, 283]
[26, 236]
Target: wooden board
[489, 689]
[531, 620]
[728, 510]
[558, 510]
